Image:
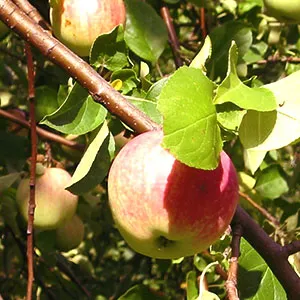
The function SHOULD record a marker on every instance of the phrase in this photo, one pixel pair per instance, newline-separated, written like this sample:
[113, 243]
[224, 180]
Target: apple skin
[70, 234]
[287, 11]
[77, 23]
[54, 204]
[165, 209]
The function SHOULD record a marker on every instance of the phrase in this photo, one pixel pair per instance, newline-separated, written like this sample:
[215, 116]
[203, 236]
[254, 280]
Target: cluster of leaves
[227, 96]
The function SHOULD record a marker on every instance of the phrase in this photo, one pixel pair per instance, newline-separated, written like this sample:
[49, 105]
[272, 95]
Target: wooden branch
[173, 40]
[47, 135]
[81, 71]
[231, 282]
[275, 255]
[32, 179]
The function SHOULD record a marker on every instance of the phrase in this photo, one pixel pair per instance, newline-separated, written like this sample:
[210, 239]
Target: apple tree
[149, 149]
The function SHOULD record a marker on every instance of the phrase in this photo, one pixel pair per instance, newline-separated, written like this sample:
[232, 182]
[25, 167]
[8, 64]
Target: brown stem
[33, 13]
[173, 40]
[42, 132]
[274, 255]
[263, 211]
[55, 51]
[231, 282]
[31, 204]
[203, 23]
[292, 248]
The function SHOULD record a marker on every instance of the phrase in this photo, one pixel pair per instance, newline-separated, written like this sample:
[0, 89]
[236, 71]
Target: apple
[287, 11]
[164, 208]
[54, 204]
[77, 23]
[70, 234]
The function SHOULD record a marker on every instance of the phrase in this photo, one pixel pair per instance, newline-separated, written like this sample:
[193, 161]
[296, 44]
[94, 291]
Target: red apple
[164, 208]
[77, 23]
[70, 234]
[54, 204]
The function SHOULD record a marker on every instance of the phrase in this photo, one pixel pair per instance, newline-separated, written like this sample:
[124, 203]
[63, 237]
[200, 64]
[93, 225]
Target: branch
[262, 210]
[173, 40]
[33, 135]
[47, 135]
[275, 255]
[231, 282]
[55, 51]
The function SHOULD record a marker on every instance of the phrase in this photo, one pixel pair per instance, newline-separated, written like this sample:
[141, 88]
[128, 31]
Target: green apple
[70, 234]
[164, 208]
[77, 23]
[287, 11]
[54, 204]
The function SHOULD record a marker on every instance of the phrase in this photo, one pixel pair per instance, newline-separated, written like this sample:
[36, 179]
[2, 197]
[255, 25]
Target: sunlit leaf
[190, 120]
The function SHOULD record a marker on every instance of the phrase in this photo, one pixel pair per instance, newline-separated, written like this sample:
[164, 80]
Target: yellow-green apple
[54, 204]
[70, 234]
[287, 11]
[77, 23]
[164, 208]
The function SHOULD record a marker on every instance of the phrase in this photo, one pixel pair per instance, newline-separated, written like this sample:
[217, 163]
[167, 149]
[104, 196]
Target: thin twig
[203, 23]
[262, 210]
[231, 282]
[47, 135]
[173, 39]
[33, 135]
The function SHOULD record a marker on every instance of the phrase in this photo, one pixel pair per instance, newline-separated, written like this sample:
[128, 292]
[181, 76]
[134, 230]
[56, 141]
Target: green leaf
[256, 128]
[277, 129]
[145, 31]
[246, 182]
[45, 101]
[128, 78]
[190, 120]
[230, 116]
[233, 90]
[204, 54]
[256, 280]
[148, 107]
[221, 38]
[94, 164]
[140, 292]
[207, 295]
[78, 114]
[7, 180]
[270, 183]
[109, 50]
[253, 159]
[192, 285]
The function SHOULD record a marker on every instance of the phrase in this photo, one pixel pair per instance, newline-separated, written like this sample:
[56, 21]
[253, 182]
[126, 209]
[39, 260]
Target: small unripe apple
[164, 208]
[287, 11]
[54, 204]
[77, 23]
[70, 234]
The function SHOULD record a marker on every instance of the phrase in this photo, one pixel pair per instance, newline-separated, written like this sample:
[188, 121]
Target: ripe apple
[70, 234]
[164, 208]
[54, 204]
[77, 23]
[287, 11]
